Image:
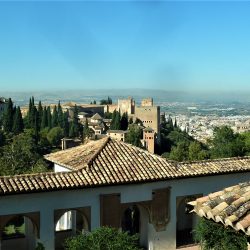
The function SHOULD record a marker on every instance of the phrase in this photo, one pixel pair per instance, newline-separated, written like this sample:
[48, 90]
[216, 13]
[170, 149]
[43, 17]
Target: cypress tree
[49, 117]
[86, 130]
[117, 122]
[66, 123]
[40, 114]
[60, 115]
[171, 125]
[54, 117]
[74, 130]
[18, 121]
[175, 123]
[31, 113]
[28, 117]
[112, 124]
[35, 126]
[124, 121]
[8, 117]
[44, 122]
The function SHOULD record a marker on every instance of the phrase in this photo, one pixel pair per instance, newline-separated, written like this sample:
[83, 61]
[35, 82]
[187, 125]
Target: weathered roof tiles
[111, 162]
[230, 206]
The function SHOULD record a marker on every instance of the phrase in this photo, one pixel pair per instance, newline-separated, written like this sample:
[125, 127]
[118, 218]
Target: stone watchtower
[149, 139]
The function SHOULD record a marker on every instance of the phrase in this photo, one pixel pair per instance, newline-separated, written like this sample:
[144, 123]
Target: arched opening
[185, 221]
[67, 224]
[131, 220]
[135, 220]
[20, 233]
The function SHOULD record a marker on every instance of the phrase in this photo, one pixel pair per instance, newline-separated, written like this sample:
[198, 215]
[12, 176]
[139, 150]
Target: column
[47, 229]
[95, 215]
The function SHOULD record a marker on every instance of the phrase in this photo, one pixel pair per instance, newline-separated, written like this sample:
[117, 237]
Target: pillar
[95, 215]
[47, 229]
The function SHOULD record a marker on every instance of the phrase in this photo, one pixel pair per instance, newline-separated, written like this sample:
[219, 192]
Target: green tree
[55, 135]
[245, 137]
[49, 118]
[215, 236]
[74, 130]
[21, 155]
[18, 122]
[60, 115]
[105, 102]
[54, 122]
[2, 138]
[179, 152]
[226, 143]
[66, 123]
[44, 121]
[124, 121]
[134, 135]
[32, 116]
[116, 121]
[44, 144]
[196, 151]
[86, 130]
[103, 238]
[175, 123]
[8, 117]
[40, 114]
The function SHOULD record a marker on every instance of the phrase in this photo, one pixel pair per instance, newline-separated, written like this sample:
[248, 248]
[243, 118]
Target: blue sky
[171, 45]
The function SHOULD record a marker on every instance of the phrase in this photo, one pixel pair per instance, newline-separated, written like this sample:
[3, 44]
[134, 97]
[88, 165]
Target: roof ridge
[98, 151]
[215, 160]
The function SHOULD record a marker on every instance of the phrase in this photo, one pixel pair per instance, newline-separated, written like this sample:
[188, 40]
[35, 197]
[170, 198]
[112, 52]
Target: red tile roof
[111, 162]
[230, 207]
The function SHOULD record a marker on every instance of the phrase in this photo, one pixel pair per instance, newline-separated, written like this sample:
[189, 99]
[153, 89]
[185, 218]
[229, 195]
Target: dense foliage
[215, 236]
[119, 122]
[104, 102]
[21, 154]
[103, 238]
[24, 141]
[179, 145]
[134, 135]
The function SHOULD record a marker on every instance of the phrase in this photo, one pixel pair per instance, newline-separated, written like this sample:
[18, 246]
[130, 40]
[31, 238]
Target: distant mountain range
[86, 96]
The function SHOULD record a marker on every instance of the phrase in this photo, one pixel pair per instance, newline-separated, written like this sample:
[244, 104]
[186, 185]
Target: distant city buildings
[201, 127]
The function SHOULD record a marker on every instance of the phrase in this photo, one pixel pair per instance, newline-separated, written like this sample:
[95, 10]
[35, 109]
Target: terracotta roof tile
[109, 162]
[230, 206]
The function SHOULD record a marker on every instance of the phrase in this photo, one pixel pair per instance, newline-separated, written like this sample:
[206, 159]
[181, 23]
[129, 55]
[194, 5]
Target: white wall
[58, 168]
[47, 202]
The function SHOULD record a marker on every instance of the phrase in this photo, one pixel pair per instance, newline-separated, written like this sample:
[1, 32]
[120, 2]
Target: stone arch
[80, 222]
[185, 221]
[84, 217]
[144, 220]
[19, 232]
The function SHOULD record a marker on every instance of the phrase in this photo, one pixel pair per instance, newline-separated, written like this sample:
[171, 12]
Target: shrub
[215, 236]
[103, 238]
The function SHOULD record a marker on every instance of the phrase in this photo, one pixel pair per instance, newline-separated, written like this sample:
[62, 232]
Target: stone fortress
[149, 116]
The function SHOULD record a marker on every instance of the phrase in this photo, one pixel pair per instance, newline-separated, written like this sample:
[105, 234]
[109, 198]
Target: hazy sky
[171, 45]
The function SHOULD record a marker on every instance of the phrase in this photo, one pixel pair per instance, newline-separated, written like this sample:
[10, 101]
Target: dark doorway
[185, 221]
[131, 220]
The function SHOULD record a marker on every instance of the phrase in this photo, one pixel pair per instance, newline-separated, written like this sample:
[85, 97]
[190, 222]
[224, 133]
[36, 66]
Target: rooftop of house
[230, 207]
[114, 131]
[111, 162]
[96, 116]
